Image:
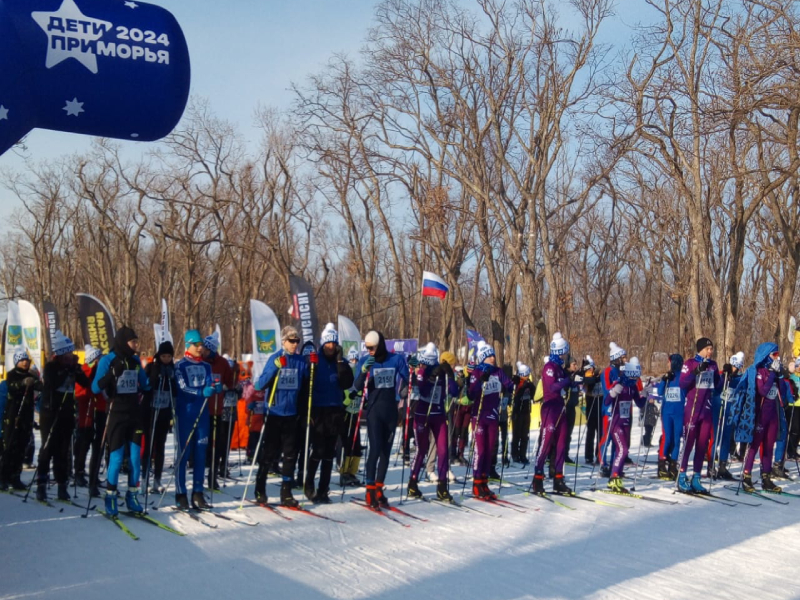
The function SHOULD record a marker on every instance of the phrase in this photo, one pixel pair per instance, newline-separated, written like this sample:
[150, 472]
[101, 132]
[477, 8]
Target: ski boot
[663, 472]
[605, 471]
[768, 486]
[493, 474]
[433, 477]
[80, 480]
[683, 483]
[41, 492]
[156, 489]
[570, 461]
[382, 500]
[413, 488]
[321, 497]
[287, 499]
[524, 461]
[723, 473]
[112, 509]
[199, 501]
[181, 502]
[559, 487]
[779, 471]
[94, 492]
[309, 491]
[488, 494]
[673, 469]
[371, 497]
[16, 484]
[615, 485]
[538, 484]
[628, 460]
[478, 489]
[747, 483]
[261, 497]
[442, 493]
[697, 487]
[63, 493]
[132, 500]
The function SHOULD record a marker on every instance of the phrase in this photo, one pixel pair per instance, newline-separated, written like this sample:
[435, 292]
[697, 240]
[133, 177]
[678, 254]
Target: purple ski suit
[555, 382]
[767, 421]
[620, 427]
[430, 417]
[697, 414]
[485, 415]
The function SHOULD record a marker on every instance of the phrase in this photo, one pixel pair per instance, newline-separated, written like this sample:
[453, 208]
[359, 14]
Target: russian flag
[433, 285]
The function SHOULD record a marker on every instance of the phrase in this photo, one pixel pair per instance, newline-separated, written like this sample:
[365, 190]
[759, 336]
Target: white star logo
[3, 113]
[73, 108]
[131, 5]
[70, 35]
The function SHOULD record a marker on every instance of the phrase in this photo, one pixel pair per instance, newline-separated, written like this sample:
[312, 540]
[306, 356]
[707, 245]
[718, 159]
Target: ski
[75, 504]
[271, 509]
[118, 523]
[734, 501]
[758, 494]
[209, 511]
[148, 519]
[404, 513]
[638, 497]
[377, 511]
[553, 500]
[595, 500]
[463, 507]
[193, 516]
[709, 497]
[452, 505]
[310, 513]
[782, 493]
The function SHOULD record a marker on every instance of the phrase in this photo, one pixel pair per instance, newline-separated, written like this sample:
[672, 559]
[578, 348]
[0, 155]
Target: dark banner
[304, 309]
[97, 324]
[51, 324]
[112, 69]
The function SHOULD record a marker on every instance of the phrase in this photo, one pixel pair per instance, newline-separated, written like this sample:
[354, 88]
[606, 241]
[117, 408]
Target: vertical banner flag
[433, 285]
[218, 334]
[266, 335]
[473, 337]
[110, 69]
[97, 325]
[31, 332]
[349, 336]
[51, 324]
[13, 333]
[161, 330]
[304, 309]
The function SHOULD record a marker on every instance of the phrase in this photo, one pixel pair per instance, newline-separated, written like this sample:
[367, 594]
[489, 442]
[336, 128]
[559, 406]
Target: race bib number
[384, 378]
[625, 409]
[706, 380]
[161, 399]
[230, 399]
[773, 392]
[258, 409]
[68, 387]
[226, 414]
[126, 383]
[436, 396]
[526, 396]
[288, 379]
[196, 376]
[492, 386]
[673, 394]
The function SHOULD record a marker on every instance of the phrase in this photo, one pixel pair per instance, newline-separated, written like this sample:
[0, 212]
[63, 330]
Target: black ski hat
[165, 348]
[123, 336]
[704, 342]
[675, 362]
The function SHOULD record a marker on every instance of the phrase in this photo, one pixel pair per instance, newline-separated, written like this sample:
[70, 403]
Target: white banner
[218, 331]
[13, 334]
[161, 330]
[31, 331]
[266, 331]
[349, 336]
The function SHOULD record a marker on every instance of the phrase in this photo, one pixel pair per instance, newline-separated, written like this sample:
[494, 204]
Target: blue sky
[246, 52]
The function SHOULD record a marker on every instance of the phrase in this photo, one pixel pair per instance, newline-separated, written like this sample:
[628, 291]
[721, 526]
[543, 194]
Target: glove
[347, 400]
[775, 367]
[701, 367]
[413, 361]
[209, 391]
[28, 381]
[728, 370]
[463, 401]
[339, 353]
[616, 390]
[368, 364]
[218, 388]
[280, 362]
[313, 358]
[485, 375]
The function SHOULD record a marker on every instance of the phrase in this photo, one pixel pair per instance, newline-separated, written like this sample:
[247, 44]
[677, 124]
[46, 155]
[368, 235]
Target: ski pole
[308, 423]
[228, 447]
[212, 476]
[46, 446]
[712, 467]
[260, 438]
[102, 454]
[503, 454]
[472, 443]
[577, 452]
[641, 443]
[405, 430]
[183, 451]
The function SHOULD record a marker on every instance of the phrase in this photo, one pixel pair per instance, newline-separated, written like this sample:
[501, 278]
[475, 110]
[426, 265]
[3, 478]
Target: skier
[221, 372]
[699, 378]
[86, 400]
[120, 376]
[461, 411]
[286, 372]
[621, 398]
[159, 405]
[349, 440]
[332, 376]
[571, 402]
[734, 372]
[195, 385]
[386, 371]
[488, 384]
[793, 410]
[592, 383]
[435, 381]
[611, 375]
[521, 414]
[673, 402]
[57, 415]
[17, 423]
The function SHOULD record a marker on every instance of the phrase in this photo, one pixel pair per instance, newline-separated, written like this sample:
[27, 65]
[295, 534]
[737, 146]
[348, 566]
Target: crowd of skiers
[306, 408]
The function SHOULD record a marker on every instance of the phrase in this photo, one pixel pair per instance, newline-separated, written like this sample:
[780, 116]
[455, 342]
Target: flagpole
[419, 316]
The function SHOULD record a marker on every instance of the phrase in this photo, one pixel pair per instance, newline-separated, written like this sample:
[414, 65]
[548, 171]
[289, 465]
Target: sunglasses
[293, 341]
[369, 348]
[196, 344]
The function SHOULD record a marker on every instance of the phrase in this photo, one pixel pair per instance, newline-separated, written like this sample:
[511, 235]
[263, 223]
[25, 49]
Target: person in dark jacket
[158, 409]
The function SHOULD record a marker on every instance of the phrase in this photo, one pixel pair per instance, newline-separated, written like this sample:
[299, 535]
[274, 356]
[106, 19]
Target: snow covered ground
[697, 549]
